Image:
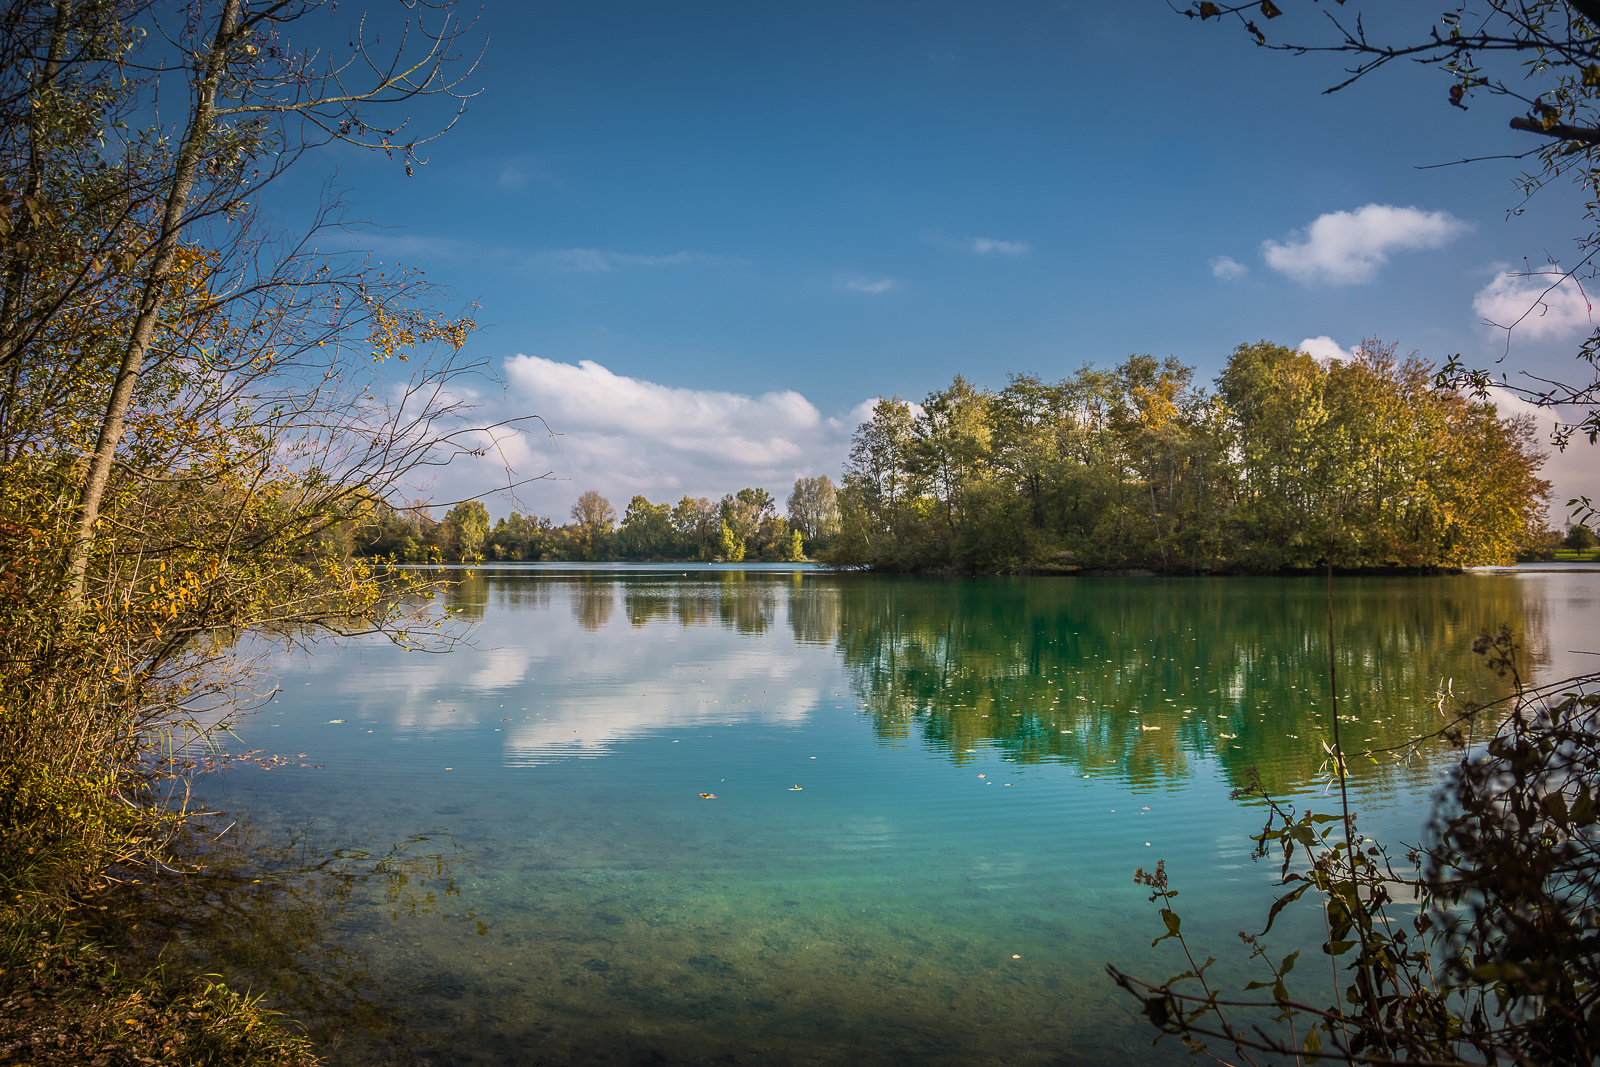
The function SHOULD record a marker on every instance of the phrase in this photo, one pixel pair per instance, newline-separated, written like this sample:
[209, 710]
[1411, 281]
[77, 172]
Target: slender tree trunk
[152, 299]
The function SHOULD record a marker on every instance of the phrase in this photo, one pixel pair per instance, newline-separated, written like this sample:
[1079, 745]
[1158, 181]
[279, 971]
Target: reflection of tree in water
[747, 604]
[593, 601]
[814, 611]
[1138, 676]
[277, 917]
[518, 593]
[744, 603]
[647, 603]
[467, 597]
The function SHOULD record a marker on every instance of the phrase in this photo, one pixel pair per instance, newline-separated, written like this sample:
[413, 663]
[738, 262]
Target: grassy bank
[71, 990]
[65, 998]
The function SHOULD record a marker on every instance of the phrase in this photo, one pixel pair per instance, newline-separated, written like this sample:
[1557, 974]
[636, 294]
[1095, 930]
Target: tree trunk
[152, 299]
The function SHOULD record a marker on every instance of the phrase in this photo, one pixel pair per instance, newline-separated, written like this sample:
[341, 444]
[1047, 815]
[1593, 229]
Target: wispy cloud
[1348, 247]
[868, 285]
[1535, 304]
[595, 260]
[516, 173]
[1227, 268]
[990, 246]
[978, 246]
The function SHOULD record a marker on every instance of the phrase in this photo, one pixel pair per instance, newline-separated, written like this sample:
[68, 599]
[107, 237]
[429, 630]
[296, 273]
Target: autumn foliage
[1287, 463]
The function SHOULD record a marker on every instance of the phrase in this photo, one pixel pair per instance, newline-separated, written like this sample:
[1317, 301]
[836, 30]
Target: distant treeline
[1288, 463]
[742, 525]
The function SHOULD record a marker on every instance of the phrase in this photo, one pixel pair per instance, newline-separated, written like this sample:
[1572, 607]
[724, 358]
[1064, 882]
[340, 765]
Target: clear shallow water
[930, 797]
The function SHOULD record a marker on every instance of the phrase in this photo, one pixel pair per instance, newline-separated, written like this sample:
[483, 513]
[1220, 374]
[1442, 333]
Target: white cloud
[1325, 350]
[1572, 473]
[1348, 247]
[1227, 268]
[624, 435]
[867, 285]
[978, 246]
[1536, 304]
[984, 246]
[594, 260]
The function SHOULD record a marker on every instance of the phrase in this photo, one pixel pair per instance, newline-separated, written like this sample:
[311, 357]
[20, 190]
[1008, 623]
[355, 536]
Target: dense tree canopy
[1364, 463]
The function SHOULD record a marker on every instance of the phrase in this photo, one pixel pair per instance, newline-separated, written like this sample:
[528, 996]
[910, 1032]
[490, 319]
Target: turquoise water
[929, 797]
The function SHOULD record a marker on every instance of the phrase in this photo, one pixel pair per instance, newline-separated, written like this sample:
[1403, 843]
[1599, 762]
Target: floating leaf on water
[708, 796]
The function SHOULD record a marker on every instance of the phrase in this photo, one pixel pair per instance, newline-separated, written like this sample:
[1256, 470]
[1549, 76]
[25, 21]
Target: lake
[686, 815]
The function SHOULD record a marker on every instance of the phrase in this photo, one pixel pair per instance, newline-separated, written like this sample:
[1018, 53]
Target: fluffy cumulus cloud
[1348, 247]
[1325, 350]
[1535, 304]
[1228, 269]
[624, 435]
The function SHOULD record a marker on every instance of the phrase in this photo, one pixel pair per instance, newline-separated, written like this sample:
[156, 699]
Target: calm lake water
[930, 797]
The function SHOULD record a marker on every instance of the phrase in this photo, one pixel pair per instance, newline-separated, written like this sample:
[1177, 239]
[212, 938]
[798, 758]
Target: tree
[129, 229]
[949, 446]
[1483, 51]
[1581, 538]
[730, 546]
[468, 526]
[594, 512]
[646, 531]
[813, 508]
[594, 516]
[745, 511]
[698, 523]
[196, 415]
[876, 481]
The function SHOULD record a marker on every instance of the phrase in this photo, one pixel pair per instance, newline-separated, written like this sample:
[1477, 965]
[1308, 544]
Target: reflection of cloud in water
[650, 692]
[575, 683]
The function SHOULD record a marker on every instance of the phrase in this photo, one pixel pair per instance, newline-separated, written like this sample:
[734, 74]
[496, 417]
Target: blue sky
[703, 235]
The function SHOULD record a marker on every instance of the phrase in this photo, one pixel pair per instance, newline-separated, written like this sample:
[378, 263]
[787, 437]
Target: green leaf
[1313, 1045]
[1283, 902]
[1209, 10]
[1583, 809]
[1269, 9]
[1338, 948]
[1169, 917]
